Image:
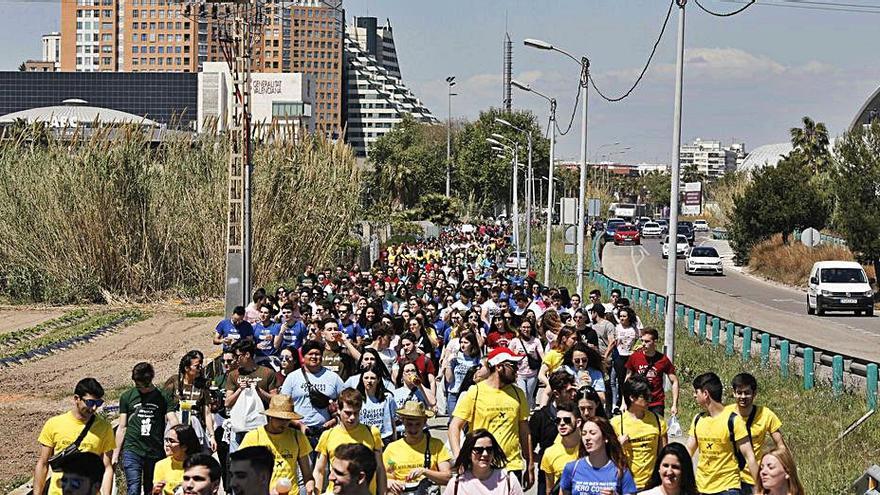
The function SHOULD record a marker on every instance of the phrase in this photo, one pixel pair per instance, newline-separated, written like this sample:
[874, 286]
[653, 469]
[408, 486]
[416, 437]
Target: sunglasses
[564, 420]
[228, 361]
[481, 450]
[93, 403]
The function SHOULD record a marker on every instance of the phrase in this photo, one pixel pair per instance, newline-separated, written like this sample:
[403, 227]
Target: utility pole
[516, 205]
[671, 265]
[530, 192]
[450, 81]
[582, 181]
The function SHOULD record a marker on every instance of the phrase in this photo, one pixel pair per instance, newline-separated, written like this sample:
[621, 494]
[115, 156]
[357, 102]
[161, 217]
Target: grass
[204, 313]
[138, 222]
[10, 484]
[65, 320]
[812, 419]
[790, 264]
[65, 333]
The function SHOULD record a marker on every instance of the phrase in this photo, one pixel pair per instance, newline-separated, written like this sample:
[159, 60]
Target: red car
[627, 234]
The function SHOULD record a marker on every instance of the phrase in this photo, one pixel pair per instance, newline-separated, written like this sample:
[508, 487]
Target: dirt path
[31, 393]
[16, 319]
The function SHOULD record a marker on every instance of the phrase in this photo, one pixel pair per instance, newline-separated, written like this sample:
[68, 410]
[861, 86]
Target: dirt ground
[33, 392]
[12, 319]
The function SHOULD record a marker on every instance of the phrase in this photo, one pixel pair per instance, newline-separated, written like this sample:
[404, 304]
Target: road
[747, 300]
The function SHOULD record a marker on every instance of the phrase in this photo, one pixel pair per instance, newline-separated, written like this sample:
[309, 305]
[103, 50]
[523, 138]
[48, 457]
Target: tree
[811, 144]
[778, 200]
[690, 173]
[408, 162]
[855, 182]
[658, 187]
[22, 67]
[478, 173]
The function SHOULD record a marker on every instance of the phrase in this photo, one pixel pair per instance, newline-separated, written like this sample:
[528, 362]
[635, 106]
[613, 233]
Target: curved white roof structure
[76, 112]
[769, 154]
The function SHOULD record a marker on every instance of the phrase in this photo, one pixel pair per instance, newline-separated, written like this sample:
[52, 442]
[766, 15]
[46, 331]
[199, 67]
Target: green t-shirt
[145, 428]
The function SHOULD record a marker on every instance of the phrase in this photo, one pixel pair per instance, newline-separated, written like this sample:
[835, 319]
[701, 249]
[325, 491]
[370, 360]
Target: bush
[791, 263]
[84, 219]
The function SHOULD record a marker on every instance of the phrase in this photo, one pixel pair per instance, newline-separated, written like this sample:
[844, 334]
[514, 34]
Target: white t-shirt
[496, 484]
[626, 339]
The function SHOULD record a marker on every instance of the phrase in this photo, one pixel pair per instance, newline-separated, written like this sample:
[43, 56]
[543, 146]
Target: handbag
[247, 413]
[533, 361]
[318, 398]
[57, 460]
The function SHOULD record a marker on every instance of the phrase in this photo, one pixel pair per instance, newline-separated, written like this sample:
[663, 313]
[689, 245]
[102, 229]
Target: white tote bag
[246, 414]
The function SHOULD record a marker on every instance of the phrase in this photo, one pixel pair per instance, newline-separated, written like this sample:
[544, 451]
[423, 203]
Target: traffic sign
[811, 237]
[593, 207]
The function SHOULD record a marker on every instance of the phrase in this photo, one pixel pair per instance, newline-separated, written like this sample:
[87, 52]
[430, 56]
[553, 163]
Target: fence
[752, 341]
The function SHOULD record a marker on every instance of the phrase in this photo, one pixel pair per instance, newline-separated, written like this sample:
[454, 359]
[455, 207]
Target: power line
[821, 6]
[727, 14]
[647, 64]
[577, 99]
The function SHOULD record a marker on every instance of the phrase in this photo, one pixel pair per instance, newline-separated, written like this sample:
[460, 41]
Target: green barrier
[636, 297]
[765, 349]
[809, 368]
[747, 344]
[784, 351]
[716, 331]
[871, 375]
[679, 313]
[837, 374]
[702, 328]
[661, 305]
[690, 323]
[731, 332]
[652, 303]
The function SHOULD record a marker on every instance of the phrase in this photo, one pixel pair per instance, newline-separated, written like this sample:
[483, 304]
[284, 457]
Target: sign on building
[693, 198]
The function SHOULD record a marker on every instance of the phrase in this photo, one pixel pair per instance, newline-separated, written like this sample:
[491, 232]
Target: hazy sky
[747, 78]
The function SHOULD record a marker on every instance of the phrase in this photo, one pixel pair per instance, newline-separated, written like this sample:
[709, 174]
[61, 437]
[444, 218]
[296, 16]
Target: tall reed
[112, 215]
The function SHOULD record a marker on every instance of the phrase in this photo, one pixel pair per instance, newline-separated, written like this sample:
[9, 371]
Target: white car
[703, 259]
[681, 247]
[652, 229]
[701, 226]
[839, 286]
[516, 260]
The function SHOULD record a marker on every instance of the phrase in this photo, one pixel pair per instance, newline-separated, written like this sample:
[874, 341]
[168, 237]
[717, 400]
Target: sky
[747, 78]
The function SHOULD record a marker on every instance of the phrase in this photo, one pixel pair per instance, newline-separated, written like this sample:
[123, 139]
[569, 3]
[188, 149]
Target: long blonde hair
[787, 460]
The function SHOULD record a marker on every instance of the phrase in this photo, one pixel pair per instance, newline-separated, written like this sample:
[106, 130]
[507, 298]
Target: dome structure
[75, 112]
[767, 155]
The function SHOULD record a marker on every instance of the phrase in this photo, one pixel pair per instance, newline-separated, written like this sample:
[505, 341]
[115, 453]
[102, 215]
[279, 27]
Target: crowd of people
[327, 386]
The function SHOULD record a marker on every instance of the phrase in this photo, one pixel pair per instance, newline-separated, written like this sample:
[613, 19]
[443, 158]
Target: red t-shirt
[653, 369]
[499, 339]
[423, 364]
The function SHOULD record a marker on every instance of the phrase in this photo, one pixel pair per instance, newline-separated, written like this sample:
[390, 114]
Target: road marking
[636, 264]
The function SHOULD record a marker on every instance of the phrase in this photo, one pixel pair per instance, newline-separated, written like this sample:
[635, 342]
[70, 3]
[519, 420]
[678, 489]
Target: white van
[839, 286]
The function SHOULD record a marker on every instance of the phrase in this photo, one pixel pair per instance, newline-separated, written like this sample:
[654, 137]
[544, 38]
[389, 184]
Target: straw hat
[415, 409]
[281, 406]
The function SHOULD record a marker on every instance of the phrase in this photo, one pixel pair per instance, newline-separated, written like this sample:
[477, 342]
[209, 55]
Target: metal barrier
[698, 322]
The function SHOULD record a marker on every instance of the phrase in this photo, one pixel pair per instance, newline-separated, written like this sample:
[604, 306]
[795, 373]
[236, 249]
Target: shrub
[791, 263]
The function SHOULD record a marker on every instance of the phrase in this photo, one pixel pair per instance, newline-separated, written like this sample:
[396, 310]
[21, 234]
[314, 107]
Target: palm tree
[812, 143]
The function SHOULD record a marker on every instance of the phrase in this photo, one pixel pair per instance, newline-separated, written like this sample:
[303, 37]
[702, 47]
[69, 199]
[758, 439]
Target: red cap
[503, 354]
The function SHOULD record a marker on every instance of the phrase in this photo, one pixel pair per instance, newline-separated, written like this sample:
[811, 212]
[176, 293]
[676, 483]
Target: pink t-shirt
[500, 482]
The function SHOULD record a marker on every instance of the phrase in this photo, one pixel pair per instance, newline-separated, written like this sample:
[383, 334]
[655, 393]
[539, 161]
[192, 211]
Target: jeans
[619, 371]
[747, 489]
[138, 473]
[529, 386]
[223, 456]
[451, 401]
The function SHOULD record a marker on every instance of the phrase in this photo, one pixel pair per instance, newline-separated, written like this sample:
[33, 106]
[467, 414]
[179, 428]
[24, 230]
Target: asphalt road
[746, 300]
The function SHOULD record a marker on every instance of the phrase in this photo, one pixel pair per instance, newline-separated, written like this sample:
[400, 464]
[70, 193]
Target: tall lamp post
[529, 189]
[450, 82]
[552, 126]
[584, 63]
[514, 147]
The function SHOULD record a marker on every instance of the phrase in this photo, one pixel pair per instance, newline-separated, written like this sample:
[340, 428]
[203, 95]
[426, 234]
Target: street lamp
[450, 82]
[496, 140]
[552, 126]
[529, 189]
[584, 63]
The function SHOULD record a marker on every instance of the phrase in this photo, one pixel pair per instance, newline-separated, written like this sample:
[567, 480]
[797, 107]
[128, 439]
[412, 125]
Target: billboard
[693, 198]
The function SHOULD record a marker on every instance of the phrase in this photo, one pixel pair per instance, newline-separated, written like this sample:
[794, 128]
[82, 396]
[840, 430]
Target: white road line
[636, 264]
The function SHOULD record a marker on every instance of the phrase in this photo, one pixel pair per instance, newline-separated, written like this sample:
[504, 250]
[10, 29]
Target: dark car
[686, 229]
[611, 226]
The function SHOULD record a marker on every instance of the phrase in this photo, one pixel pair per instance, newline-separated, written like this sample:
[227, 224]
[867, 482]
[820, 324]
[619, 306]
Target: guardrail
[709, 328]
[824, 238]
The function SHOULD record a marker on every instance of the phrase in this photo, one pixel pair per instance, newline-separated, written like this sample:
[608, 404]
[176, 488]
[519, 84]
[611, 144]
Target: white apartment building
[711, 158]
[377, 99]
[52, 49]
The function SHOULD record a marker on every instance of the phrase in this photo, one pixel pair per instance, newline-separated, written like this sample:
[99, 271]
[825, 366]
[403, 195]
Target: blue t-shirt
[597, 379]
[403, 394]
[293, 336]
[380, 414]
[353, 331]
[460, 366]
[325, 381]
[580, 478]
[226, 329]
[265, 347]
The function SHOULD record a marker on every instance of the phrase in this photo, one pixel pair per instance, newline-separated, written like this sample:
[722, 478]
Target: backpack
[740, 460]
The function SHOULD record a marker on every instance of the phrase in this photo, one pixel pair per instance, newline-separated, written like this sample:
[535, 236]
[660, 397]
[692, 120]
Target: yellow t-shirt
[60, 431]
[367, 436]
[556, 457]
[643, 445]
[288, 448]
[401, 458]
[553, 360]
[169, 471]
[765, 423]
[498, 411]
[717, 468]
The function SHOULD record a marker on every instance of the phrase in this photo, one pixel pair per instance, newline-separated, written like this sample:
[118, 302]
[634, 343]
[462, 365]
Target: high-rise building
[711, 158]
[377, 99]
[52, 49]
